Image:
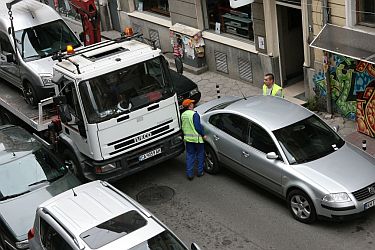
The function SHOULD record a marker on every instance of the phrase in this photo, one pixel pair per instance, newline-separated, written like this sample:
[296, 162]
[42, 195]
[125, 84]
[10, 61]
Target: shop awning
[346, 42]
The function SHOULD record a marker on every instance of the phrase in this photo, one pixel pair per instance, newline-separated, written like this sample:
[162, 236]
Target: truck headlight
[193, 92]
[337, 197]
[22, 244]
[47, 80]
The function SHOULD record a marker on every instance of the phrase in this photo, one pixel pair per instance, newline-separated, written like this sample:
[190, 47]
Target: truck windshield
[44, 40]
[125, 90]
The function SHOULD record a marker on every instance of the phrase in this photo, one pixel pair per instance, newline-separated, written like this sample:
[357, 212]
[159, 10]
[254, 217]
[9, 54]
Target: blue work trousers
[194, 152]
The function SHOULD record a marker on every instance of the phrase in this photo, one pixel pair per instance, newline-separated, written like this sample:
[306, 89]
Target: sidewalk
[207, 85]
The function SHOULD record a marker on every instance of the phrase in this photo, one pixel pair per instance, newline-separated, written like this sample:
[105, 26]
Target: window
[157, 6]
[233, 125]
[261, 140]
[365, 12]
[233, 21]
[51, 240]
[5, 45]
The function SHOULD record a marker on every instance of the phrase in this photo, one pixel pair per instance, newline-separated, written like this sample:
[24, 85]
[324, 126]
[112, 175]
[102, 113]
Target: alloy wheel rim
[300, 207]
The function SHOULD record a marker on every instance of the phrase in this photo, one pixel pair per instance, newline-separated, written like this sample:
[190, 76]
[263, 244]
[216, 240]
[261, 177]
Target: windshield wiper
[38, 182]
[13, 195]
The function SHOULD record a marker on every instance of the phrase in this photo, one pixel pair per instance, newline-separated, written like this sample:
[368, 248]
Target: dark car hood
[181, 83]
[19, 212]
[348, 168]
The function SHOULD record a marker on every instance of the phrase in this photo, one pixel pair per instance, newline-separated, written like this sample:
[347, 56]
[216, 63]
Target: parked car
[40, 33]
[29, 175]
[96, 215]
[289, 150]
[185, 88]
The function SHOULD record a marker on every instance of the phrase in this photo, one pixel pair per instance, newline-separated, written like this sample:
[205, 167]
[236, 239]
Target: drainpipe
[325, 12]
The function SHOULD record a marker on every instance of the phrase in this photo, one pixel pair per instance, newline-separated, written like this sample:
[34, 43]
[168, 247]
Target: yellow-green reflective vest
[275, 89]
[190, 134]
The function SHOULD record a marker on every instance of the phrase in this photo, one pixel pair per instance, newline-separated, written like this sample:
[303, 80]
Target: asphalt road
[225, 211]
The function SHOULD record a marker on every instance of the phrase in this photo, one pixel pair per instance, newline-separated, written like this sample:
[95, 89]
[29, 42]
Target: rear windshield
[221, 106]
[113, 229]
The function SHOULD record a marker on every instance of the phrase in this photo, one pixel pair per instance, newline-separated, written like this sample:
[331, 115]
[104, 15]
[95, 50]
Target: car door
[229, 134]
[9, 69]
[267, 172]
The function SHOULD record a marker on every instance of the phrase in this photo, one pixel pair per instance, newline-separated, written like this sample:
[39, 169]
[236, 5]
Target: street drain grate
[155, 195]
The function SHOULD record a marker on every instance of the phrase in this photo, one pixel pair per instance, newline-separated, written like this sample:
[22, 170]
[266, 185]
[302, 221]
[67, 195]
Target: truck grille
[365, 192]
[141, 137]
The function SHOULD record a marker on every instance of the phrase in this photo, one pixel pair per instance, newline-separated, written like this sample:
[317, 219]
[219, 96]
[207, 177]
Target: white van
[40, 32]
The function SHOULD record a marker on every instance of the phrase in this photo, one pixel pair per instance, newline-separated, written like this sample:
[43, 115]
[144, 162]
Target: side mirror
[272, 156]
[9, 57]
[194, 246]
[62, 106]
[179, 65]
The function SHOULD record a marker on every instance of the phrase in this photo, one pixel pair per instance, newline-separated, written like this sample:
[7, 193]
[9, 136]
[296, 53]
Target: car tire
[74, 164]
[301, 206]
[211, 164]
[29, 94]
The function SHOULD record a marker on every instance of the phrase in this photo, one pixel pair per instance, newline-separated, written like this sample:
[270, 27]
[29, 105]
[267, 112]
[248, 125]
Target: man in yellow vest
[270, 87]
[193, 137]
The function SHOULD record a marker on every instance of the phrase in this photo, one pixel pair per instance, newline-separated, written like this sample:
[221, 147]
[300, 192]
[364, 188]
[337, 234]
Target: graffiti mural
[348, 77]
[366, 110]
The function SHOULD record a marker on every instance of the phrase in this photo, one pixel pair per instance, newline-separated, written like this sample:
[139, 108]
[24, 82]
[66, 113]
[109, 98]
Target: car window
[25, 163]
[113, 229]
[261, 140]
[50, 239]
[308, 140]
[5, 45]
[231, 124]
[162, 241]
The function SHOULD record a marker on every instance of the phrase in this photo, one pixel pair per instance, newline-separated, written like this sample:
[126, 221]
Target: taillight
[30, 234]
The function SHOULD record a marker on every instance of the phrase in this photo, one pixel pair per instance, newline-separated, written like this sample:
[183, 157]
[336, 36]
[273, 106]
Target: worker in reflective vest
[270, 87]
[193, 137]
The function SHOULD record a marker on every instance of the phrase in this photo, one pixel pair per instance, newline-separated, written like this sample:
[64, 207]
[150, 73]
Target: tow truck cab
[118, 108]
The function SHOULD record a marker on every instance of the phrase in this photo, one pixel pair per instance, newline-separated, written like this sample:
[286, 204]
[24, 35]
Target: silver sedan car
[290, 151]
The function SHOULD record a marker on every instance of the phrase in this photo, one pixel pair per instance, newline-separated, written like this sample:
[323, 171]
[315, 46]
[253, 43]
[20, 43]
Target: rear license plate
[369, 204]
[149, 154]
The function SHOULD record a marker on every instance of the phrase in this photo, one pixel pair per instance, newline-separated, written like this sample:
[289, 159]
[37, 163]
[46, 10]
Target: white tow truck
[114, 111]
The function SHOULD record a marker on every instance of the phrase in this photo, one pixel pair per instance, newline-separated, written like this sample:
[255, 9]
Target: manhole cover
[155, 195]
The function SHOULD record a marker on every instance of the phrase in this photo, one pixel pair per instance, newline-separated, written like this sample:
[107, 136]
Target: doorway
[289, 19]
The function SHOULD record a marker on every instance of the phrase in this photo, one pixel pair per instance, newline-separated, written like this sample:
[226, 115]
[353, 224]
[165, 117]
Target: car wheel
[74, 165]
[30, 94]
[211, 164]
[301, 206]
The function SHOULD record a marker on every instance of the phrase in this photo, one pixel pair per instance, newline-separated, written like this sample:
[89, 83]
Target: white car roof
[91, 204]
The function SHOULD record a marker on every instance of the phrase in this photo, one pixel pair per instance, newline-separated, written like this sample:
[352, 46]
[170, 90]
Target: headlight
[193, 92]
[46, 79]
[22, 244]
[337, 197]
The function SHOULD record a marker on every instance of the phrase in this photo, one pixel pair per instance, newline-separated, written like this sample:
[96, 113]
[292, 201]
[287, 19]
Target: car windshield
[24, 163]
[308, 140]
[125, 90]
[44, 40]
[162, 241]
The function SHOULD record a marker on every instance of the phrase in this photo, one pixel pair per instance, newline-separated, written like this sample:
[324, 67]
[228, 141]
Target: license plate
[369, 204]
[149, 154]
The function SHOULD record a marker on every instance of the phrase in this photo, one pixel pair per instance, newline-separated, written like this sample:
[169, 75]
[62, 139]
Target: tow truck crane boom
[90, 20]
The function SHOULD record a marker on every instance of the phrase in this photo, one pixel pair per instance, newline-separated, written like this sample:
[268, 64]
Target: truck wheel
[211, 164]
[73, 164]
[30, 94]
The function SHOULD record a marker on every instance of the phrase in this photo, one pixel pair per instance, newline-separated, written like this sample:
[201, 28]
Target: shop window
[365, 12]
[157, 6]
[232, 21]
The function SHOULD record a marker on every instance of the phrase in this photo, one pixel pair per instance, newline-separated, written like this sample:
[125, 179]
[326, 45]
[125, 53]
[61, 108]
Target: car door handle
[245, 154]
[216, 137]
